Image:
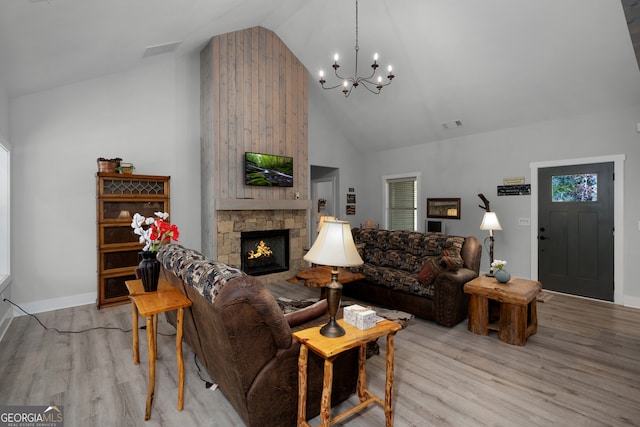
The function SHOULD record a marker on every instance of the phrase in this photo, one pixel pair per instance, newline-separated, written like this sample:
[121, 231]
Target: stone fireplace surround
[230, 223]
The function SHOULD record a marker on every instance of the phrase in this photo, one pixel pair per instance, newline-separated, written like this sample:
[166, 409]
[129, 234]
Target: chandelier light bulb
[322, 80]
[390, 68]
[375, 56]
[345, 84]
[335, 57]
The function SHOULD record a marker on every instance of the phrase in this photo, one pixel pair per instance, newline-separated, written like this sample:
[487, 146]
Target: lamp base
[332, 329]
[334, 290]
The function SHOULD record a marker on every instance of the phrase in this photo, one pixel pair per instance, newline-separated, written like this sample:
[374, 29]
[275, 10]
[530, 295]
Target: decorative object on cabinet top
[108, 165]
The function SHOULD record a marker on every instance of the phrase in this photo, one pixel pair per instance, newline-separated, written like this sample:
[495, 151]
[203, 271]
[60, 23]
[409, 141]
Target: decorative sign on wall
[514, 190]
[513, 181]
[351, 199]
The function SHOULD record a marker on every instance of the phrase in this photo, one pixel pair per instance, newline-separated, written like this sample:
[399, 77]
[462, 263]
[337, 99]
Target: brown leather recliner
[245, 343]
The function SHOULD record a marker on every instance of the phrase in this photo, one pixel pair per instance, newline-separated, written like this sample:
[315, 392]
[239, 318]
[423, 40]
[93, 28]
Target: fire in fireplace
[264, 252]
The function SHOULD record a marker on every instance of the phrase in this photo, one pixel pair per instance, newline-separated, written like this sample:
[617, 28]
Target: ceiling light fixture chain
[352, 82]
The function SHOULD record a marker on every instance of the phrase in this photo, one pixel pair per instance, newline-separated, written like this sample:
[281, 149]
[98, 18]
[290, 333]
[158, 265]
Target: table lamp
[490, 222]
[334, 247]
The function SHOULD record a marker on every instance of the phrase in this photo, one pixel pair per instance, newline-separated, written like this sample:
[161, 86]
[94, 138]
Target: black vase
[149, 269]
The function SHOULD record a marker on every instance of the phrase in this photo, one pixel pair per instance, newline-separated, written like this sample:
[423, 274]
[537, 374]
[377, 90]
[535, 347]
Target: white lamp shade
[334, 246]
[322, 219]
[490, 222]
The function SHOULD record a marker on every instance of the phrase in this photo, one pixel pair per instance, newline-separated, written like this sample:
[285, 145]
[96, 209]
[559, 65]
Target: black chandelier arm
[355, 79]
[375, 92]
[375, 83]
[322, 82]
[335, 69]
[347, 92]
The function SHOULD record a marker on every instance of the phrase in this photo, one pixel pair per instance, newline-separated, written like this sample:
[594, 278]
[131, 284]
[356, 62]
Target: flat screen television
[268, 170]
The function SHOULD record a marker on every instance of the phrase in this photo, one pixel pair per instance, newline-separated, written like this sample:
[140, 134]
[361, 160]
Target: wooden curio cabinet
[119, 197]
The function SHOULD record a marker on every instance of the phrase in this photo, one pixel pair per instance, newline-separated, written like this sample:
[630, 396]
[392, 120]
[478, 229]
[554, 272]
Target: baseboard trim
[633, 302]
[41, 306]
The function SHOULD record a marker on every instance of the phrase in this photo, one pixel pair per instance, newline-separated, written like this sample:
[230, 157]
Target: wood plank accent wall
[260, 105]
[253, 98]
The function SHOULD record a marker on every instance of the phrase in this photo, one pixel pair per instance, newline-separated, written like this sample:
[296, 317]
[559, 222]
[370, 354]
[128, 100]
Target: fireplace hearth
[264, 252]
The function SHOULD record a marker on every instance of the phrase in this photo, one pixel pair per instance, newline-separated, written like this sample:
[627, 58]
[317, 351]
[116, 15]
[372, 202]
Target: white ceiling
[492, 64]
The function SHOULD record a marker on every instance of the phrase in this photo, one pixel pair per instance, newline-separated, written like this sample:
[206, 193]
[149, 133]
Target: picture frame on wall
[351, 198]
[351, 209]
[443, 208]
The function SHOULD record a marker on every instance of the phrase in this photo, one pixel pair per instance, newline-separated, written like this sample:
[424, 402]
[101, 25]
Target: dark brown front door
[575, 235]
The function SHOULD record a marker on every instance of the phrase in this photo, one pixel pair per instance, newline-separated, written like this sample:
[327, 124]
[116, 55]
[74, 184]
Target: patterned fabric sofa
[421, 273]
[243, 339]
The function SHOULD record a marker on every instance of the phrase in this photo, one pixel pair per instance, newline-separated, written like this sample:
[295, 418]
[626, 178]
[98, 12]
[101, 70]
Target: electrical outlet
[524, 221]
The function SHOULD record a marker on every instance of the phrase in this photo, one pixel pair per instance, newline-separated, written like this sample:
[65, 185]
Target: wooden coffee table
[516, 301]
[320, 276]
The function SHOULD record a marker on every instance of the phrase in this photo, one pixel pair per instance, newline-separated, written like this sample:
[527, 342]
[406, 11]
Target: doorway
[618, 217]
[575, 229]
[324, 195]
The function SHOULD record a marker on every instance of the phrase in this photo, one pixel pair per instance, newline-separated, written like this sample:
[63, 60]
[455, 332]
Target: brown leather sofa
[395, 261]
[244, 341]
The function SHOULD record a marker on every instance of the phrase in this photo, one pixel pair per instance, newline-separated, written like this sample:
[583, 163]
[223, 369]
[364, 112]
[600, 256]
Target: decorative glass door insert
[574, 188]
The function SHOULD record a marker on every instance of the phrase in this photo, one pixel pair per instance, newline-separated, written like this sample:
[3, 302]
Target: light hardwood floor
[582, 368]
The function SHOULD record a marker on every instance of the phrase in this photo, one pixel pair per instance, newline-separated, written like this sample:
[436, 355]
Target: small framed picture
[351, 209]
[352, 190]
[351, 198]
[443, 208]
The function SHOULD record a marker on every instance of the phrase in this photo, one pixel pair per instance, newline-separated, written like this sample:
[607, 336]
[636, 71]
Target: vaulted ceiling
[490, 64]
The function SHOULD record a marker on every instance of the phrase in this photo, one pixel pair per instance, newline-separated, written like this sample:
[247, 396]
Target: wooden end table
[517, 307]
[329, 349]
[149, 305]
[320, 276]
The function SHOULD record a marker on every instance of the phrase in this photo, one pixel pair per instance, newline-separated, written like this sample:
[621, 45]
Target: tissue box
[360, 317]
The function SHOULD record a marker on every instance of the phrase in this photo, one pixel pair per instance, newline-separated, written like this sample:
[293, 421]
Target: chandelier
[348, 83]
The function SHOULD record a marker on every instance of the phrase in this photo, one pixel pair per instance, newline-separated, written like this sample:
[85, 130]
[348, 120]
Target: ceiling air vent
[159, 49]
[452, 125]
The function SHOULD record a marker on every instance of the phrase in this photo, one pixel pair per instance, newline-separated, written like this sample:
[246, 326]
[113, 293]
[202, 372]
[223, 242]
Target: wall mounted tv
[268, 170]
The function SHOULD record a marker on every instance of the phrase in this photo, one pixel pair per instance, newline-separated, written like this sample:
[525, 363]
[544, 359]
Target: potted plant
[125, 168]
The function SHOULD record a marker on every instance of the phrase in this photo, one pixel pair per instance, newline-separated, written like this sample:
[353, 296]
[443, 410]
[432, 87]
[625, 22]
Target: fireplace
[264, 252]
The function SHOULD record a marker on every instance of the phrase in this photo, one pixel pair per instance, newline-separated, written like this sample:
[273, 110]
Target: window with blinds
[402, 203]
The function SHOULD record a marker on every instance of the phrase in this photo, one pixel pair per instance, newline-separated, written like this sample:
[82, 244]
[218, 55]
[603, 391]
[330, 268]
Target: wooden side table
[329, 349]
[149, 305]
[517, 307]
[320, 276]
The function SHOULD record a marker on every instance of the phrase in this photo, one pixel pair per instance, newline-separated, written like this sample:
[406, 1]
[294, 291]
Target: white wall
[5, 281]
[4, 112]
[329, 147]
[148, 116]
[466, 166]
